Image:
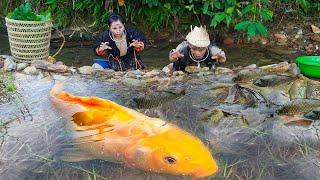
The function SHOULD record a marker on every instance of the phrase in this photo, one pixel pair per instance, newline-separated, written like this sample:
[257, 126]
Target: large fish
[155, 99]
[272, 80]
[298, 106]
[105, 130]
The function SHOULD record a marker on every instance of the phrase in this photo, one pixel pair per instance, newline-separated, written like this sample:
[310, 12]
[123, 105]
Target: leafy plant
[257, 12]
[24, 13]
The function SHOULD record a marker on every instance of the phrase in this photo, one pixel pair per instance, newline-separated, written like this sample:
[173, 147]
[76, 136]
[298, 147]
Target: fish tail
[57, 89]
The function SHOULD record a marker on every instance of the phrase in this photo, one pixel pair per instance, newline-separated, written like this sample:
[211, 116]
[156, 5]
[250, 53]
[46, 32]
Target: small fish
[314, 114]
[105, 130]
[249, 74]
[212, 115]
[296, 120]
[298, 89]
[272, 80]
[276, 68]
[156, 99]
[313, 90]
[298, 106]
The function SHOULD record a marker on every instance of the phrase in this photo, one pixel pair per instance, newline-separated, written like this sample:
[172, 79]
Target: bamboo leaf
[261, 28]
[219, 17]
[213, 23]
[251, 30]
[205, 7]
[247, 9]
[242, 25]
[266, 14]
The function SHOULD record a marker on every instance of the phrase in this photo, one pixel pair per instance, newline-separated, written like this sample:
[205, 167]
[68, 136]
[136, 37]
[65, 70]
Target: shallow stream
[261, 147]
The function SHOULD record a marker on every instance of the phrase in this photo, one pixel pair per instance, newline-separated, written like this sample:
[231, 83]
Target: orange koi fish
[105, 130]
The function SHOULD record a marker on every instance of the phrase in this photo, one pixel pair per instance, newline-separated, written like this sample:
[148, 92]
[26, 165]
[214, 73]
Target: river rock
[192, 69]
[137, 74]
[113, 80]
[315, 29]
[41, 64]
[85, 70]
[133, 82]
[9, 64]
[72, 70]
[119, 73]
[281, 38]
[166, 70]
[21, 66]
[309, 48]
[59, 63]
[222, 70]
[152, 80]
[57, 68]
[178, 73]
[152, 73]
[106, 73]
[251, 66]
[31, 70]
[315, 37]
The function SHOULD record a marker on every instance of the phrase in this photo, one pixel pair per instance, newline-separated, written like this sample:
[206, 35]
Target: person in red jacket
[120, 44]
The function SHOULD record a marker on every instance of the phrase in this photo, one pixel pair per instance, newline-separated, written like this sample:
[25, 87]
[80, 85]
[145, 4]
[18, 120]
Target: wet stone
[178, 73]
[86, 70]
[9, 64]
[133, 82]
[31, 70]
[21, 66]
[40, 64]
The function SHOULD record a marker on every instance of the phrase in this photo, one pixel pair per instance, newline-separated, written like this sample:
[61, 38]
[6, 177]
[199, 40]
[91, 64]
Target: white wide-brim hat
[198, 37]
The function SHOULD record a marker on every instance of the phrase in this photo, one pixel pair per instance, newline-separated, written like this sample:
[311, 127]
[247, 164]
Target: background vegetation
[250, 16]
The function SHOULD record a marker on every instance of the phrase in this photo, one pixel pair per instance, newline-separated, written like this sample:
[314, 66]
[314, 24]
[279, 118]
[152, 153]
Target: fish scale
[103, 129]
[298, 106]
[156, 99]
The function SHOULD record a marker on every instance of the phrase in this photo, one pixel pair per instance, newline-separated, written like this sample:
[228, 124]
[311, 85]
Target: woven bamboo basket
[29, 40]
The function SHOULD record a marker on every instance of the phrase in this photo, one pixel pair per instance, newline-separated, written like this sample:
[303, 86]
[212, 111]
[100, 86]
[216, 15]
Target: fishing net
[29, 40]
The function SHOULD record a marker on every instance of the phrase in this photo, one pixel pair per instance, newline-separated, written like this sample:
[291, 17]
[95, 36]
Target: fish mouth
[204, 172]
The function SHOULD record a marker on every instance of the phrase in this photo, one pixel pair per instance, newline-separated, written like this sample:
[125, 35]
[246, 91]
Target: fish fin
[75, 155]
[91, 110]
[92, 137]
[57, 89]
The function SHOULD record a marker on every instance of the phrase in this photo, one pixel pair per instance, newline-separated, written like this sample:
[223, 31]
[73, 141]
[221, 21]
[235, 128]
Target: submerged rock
[85, 70]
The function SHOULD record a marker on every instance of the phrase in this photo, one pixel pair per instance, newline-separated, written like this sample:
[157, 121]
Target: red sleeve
[100, 53]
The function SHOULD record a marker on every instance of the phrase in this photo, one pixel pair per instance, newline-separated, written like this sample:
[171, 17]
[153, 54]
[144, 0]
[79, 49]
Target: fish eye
[170, 159]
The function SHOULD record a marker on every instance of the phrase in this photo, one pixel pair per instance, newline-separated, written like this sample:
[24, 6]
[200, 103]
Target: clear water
[156, 56]
[30, 144]
[264, 149]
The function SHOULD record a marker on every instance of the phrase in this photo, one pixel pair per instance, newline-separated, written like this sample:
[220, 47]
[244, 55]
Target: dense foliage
[249, 16]
[25, 13]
